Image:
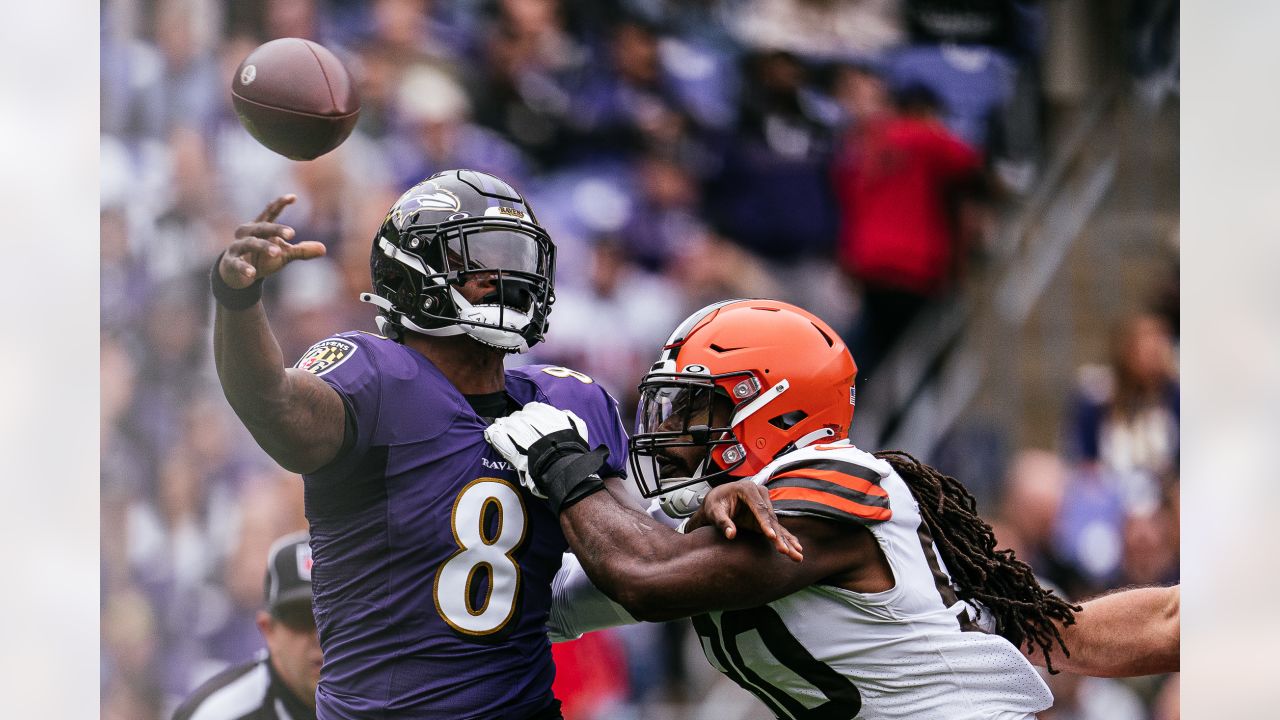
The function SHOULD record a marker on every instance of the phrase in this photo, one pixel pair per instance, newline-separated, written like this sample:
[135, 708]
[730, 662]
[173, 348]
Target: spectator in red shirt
[897, 177]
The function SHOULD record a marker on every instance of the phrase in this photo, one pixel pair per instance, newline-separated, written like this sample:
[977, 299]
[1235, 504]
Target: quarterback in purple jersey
[426, 547]
[432, 565]
[432, 569]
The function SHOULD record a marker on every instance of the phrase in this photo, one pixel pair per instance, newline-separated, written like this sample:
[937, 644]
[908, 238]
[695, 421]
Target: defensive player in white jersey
[883, 617]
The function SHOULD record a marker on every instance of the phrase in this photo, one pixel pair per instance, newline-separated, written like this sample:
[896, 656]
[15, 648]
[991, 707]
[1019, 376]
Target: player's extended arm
[294, 415]
[726, 506]
[745, 503]
[578, 606]
[1127, 633]
[656, 573]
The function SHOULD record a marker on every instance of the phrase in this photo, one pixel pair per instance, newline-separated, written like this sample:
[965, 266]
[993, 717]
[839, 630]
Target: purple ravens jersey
[432, 566]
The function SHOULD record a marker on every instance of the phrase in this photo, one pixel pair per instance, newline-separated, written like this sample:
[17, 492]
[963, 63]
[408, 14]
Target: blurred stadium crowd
[843, 155]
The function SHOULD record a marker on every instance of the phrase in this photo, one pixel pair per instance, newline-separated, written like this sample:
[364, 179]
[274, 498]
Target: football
[295, 97]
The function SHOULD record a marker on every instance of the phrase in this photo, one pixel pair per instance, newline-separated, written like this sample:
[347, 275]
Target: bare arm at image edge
[1124, 634]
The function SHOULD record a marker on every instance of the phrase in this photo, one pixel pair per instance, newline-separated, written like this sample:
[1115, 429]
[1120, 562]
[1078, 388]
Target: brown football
[295, 97]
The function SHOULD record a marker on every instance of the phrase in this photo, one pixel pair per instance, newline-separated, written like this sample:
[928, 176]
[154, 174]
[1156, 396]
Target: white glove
[512, 435]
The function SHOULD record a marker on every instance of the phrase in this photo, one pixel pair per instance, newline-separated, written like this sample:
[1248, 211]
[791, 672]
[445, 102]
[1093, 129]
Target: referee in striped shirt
[280, 683]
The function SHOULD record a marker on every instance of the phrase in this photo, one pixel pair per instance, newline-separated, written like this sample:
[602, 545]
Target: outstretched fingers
[722, 518]
[274, 208]
[237, 271]
[784, 541]
[245, 260]
[789, 545]
[744, 503]
[304, 250]
[263, 247]
[266, 230]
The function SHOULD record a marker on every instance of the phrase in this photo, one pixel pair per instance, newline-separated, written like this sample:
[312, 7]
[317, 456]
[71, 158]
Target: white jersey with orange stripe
[826, 652]
[907, 652]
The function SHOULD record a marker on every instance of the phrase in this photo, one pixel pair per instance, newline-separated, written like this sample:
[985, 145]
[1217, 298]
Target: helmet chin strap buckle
[392, 323]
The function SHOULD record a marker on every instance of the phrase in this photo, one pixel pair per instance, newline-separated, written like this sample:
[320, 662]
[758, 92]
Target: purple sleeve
[605, 426]
[346, 363]
[570, 390]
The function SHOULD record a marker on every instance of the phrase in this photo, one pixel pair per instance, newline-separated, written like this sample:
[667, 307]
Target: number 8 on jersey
[455, 581]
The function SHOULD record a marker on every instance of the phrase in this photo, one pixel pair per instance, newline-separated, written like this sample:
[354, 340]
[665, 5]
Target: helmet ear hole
[786, 421]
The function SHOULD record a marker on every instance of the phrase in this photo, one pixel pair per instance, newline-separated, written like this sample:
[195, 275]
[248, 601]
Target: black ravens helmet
[451, 227]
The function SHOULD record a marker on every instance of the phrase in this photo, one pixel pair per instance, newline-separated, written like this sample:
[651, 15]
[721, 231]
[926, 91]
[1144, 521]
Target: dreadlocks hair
[1026, 614]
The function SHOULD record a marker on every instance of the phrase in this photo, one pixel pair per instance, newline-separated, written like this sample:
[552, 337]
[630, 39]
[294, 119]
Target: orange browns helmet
[787, 376]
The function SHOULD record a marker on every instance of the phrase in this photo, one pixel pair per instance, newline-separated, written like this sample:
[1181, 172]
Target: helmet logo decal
[249, 74]
[697, 369]
[437, 200]
[442, 200]
[853, 395]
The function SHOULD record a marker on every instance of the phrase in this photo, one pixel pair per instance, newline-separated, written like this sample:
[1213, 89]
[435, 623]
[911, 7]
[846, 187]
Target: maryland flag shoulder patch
[832, 489]
[326, 355]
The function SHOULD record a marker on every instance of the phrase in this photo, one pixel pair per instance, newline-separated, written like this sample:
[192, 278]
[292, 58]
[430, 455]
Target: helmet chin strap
[685, 501]
[383, 323]
[504, 339]
[758, 404]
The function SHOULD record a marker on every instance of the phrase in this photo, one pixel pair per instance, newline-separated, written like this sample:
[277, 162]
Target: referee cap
[288, 577]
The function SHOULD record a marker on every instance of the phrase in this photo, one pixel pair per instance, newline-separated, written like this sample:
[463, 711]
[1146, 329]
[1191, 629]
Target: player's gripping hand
[548, 448]
[513, 435]
[745, 504]
[262, 248]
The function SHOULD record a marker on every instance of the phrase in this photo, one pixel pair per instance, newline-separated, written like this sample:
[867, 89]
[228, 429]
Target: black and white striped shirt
[250, 691]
